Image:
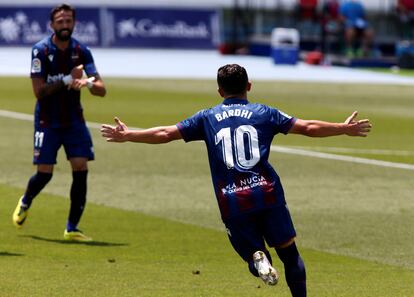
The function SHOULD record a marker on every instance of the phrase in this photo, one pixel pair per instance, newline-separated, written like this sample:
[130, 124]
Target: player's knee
[294, 265]
[42, 178]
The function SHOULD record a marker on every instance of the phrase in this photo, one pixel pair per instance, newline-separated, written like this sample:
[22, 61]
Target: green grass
[353, 221]
[402, 72]
[139, 255]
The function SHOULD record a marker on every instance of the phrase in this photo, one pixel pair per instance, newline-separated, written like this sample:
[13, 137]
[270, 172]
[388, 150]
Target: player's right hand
[77, 72]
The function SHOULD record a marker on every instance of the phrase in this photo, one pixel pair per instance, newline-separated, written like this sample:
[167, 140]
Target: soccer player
[238, 135]
[58, 63]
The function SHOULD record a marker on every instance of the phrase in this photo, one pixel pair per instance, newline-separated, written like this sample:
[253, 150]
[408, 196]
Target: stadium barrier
[117, 27]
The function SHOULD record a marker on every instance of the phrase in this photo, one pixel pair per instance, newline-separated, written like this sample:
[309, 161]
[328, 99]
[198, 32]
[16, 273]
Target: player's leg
[46, 145]
[295, 272]
[78, 147]
[77, 191]
[279, 233]
[245, 236]
[37, 182]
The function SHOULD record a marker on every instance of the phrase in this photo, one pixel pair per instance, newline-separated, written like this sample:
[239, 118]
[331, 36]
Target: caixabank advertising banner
[164, 28]
[21, 26]
[116, 27]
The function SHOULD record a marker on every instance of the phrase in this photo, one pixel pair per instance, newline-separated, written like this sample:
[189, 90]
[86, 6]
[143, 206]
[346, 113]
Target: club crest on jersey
[35, 52]
[36, 65]
[50, 58]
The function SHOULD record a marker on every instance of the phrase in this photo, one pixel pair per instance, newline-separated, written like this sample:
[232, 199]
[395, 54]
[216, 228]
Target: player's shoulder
[79, 46]
[42, 44]
[260, 107]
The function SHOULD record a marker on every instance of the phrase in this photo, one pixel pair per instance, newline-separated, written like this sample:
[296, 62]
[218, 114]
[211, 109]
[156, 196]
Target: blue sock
[71, 227]
[36, 183]
[294, 270]
[77, 198]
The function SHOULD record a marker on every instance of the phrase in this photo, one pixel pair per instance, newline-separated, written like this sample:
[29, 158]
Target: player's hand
[115, 134]
[78, 84]
[357, 128]
[120, 126]
[77, 72]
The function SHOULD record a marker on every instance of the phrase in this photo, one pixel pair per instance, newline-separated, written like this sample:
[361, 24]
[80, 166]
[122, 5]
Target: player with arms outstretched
[238, 135]
[58, 63]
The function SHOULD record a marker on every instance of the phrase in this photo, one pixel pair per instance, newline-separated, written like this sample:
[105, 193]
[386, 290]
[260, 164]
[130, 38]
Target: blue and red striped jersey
[238, 135]
[63, 108]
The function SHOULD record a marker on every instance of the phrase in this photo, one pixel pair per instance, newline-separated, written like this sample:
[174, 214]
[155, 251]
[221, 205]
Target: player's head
[62, 21]
[233, 81]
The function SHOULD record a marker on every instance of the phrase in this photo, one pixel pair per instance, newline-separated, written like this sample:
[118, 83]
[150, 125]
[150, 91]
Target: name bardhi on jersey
[233, 113]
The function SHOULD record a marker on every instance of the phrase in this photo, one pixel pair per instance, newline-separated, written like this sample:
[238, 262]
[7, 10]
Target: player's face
[63, 24]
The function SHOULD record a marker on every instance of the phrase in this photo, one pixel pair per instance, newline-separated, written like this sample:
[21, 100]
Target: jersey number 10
[245, 139]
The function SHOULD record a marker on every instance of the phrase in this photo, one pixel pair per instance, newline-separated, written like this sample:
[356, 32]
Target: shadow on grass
[61, 241]
[7, 254]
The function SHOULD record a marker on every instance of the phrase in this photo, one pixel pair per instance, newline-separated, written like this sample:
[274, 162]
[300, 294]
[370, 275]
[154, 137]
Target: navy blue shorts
[76, 140]
[249, 232]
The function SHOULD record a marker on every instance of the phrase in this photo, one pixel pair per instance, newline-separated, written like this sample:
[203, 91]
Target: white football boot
[266, 272]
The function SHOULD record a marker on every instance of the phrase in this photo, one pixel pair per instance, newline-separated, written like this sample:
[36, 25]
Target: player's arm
[315, 128]
[43, 89]
[155, 135]
[93, 83]
[96, 85]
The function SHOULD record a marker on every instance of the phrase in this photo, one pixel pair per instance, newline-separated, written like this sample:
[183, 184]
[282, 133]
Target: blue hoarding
[28, 25]
[117, 27]
[165, 28]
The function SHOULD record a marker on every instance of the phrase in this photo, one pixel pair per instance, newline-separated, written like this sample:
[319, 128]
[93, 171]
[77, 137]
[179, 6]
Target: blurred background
[319, 31]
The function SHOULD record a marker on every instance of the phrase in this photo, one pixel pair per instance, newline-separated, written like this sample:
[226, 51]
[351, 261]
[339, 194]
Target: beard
[63, 37]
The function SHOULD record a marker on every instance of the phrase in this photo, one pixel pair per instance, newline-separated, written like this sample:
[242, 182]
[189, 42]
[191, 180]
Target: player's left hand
[357, 128]
[78, 84]
[115, 134]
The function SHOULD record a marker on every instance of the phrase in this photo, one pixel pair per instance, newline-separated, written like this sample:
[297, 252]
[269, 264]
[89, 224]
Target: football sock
[77, 198]
[253, 269]
[294, 270]
[36, 183]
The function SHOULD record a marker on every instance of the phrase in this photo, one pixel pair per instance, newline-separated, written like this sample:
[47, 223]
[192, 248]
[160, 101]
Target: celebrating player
[58, 63]
[238, 135]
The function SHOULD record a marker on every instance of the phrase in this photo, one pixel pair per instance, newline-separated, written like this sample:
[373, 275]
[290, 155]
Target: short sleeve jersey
[354, 14]
[238, 136]
[63, 108]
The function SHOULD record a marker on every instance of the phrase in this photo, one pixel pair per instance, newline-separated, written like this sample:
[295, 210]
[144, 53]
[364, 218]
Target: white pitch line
[274, 148]
[355, 151]
[307, 153]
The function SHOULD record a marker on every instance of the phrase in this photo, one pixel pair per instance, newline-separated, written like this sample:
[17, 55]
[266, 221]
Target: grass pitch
[154, 217]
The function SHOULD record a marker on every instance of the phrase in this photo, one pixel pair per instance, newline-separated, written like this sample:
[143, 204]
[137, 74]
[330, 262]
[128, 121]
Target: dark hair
[232, 79]
[61, 7]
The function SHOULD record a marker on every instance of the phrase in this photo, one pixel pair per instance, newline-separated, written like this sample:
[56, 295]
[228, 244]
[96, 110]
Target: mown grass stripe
[279, 149]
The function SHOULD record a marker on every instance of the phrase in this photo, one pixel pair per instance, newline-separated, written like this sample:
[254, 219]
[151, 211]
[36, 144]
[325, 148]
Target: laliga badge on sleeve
[36, 65]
